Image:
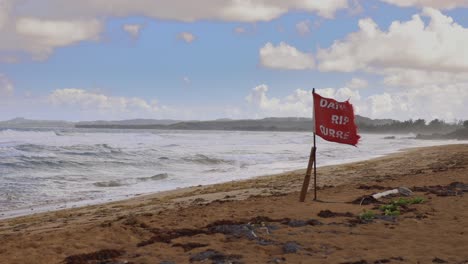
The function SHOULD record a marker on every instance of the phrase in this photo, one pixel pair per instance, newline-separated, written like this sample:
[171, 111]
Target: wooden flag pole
[305, 185]
[312, 164]
[315, 169]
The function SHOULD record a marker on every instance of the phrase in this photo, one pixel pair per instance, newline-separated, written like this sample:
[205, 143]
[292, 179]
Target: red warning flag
[334, 121]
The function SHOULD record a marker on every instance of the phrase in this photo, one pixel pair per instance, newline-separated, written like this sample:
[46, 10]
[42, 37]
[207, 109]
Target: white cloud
[285, 56]
[182, 10]
[186, 80]
[357, 83]
[93, 101]
[299, 103]
[38, 27]
[429, 102]
[39, 36]
[133, 29]
[5, 9]
[423, 66]
[439, 4]
[303, 27]
[416, 78]
[381, 104]
[186, 36]
[6, 87]
[240, 30]
[437, 46]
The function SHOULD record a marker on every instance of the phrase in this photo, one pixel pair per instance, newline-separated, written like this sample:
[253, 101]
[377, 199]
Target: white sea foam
[84, 166]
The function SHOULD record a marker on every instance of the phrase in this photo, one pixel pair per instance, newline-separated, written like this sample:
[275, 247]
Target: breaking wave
[203, 159]
[156, 177]
[126, 182]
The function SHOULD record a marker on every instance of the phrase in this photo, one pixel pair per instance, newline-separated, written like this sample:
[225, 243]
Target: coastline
[122, 225]
[83, 202]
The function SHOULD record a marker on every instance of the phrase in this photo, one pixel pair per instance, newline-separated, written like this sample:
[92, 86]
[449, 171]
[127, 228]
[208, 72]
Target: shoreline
[134, 227]
[40, 209]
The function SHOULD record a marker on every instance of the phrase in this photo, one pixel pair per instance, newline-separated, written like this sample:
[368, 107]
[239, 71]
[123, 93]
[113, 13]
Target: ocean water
[51, 169]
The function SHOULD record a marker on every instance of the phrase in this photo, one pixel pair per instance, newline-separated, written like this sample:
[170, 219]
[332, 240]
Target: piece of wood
[305, 184]
[315, 169]
[386, 193]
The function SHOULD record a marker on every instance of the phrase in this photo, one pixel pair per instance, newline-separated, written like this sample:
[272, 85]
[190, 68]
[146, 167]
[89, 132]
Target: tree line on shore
[414, 126]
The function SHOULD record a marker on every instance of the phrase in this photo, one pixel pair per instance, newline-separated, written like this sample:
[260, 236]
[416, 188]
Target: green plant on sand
[393, 209]
[367, 215]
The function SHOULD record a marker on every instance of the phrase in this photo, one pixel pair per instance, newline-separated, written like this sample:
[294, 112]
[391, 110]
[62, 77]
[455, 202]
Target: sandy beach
[261, 220]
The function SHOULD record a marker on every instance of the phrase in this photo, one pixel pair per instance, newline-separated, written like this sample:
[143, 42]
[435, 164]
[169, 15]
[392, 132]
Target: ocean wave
[126, 182]
[170, 146]
[156, 177]
[12, 133]
[19, 151]
[205, 160]
[34, 150]
[109, 184]
[87, 150]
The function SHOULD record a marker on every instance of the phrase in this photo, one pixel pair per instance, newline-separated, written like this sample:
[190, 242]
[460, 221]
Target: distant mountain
[266, 124]
[28, 123]
[365, 125]
[130, 122]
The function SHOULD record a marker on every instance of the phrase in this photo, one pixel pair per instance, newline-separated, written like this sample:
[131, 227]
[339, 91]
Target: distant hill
[28, 123]
[365, 125]
[130, 122]
[266, 124]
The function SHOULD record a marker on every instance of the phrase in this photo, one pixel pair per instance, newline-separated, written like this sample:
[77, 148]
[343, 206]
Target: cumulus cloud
[428, 101]
[439, 4]
[38, 27]
[417, 78]
[423, 65]
[6, 87]
[132, 29]
[299, 103]
[285, 56]
[303, 27]
[93, 101]
[186, 36]
[443, 102]
[40, 37]
[5, 9]
[436, 46]
[188, 11]
[357, 83]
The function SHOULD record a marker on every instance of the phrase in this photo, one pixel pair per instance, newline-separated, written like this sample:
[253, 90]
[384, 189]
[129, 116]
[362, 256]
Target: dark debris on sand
[105, 256]
[438, 260]
[189, 246]
[453, 189]
[291, 247]
[373, 187]
[379, 261]
[329, 214]
[239, 229]
[366, 200]
[216, 257]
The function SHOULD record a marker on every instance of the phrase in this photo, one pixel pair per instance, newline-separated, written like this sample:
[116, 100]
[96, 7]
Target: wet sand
[261, 220]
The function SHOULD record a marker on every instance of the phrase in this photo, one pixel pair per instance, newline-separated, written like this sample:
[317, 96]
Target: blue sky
[82, 64]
